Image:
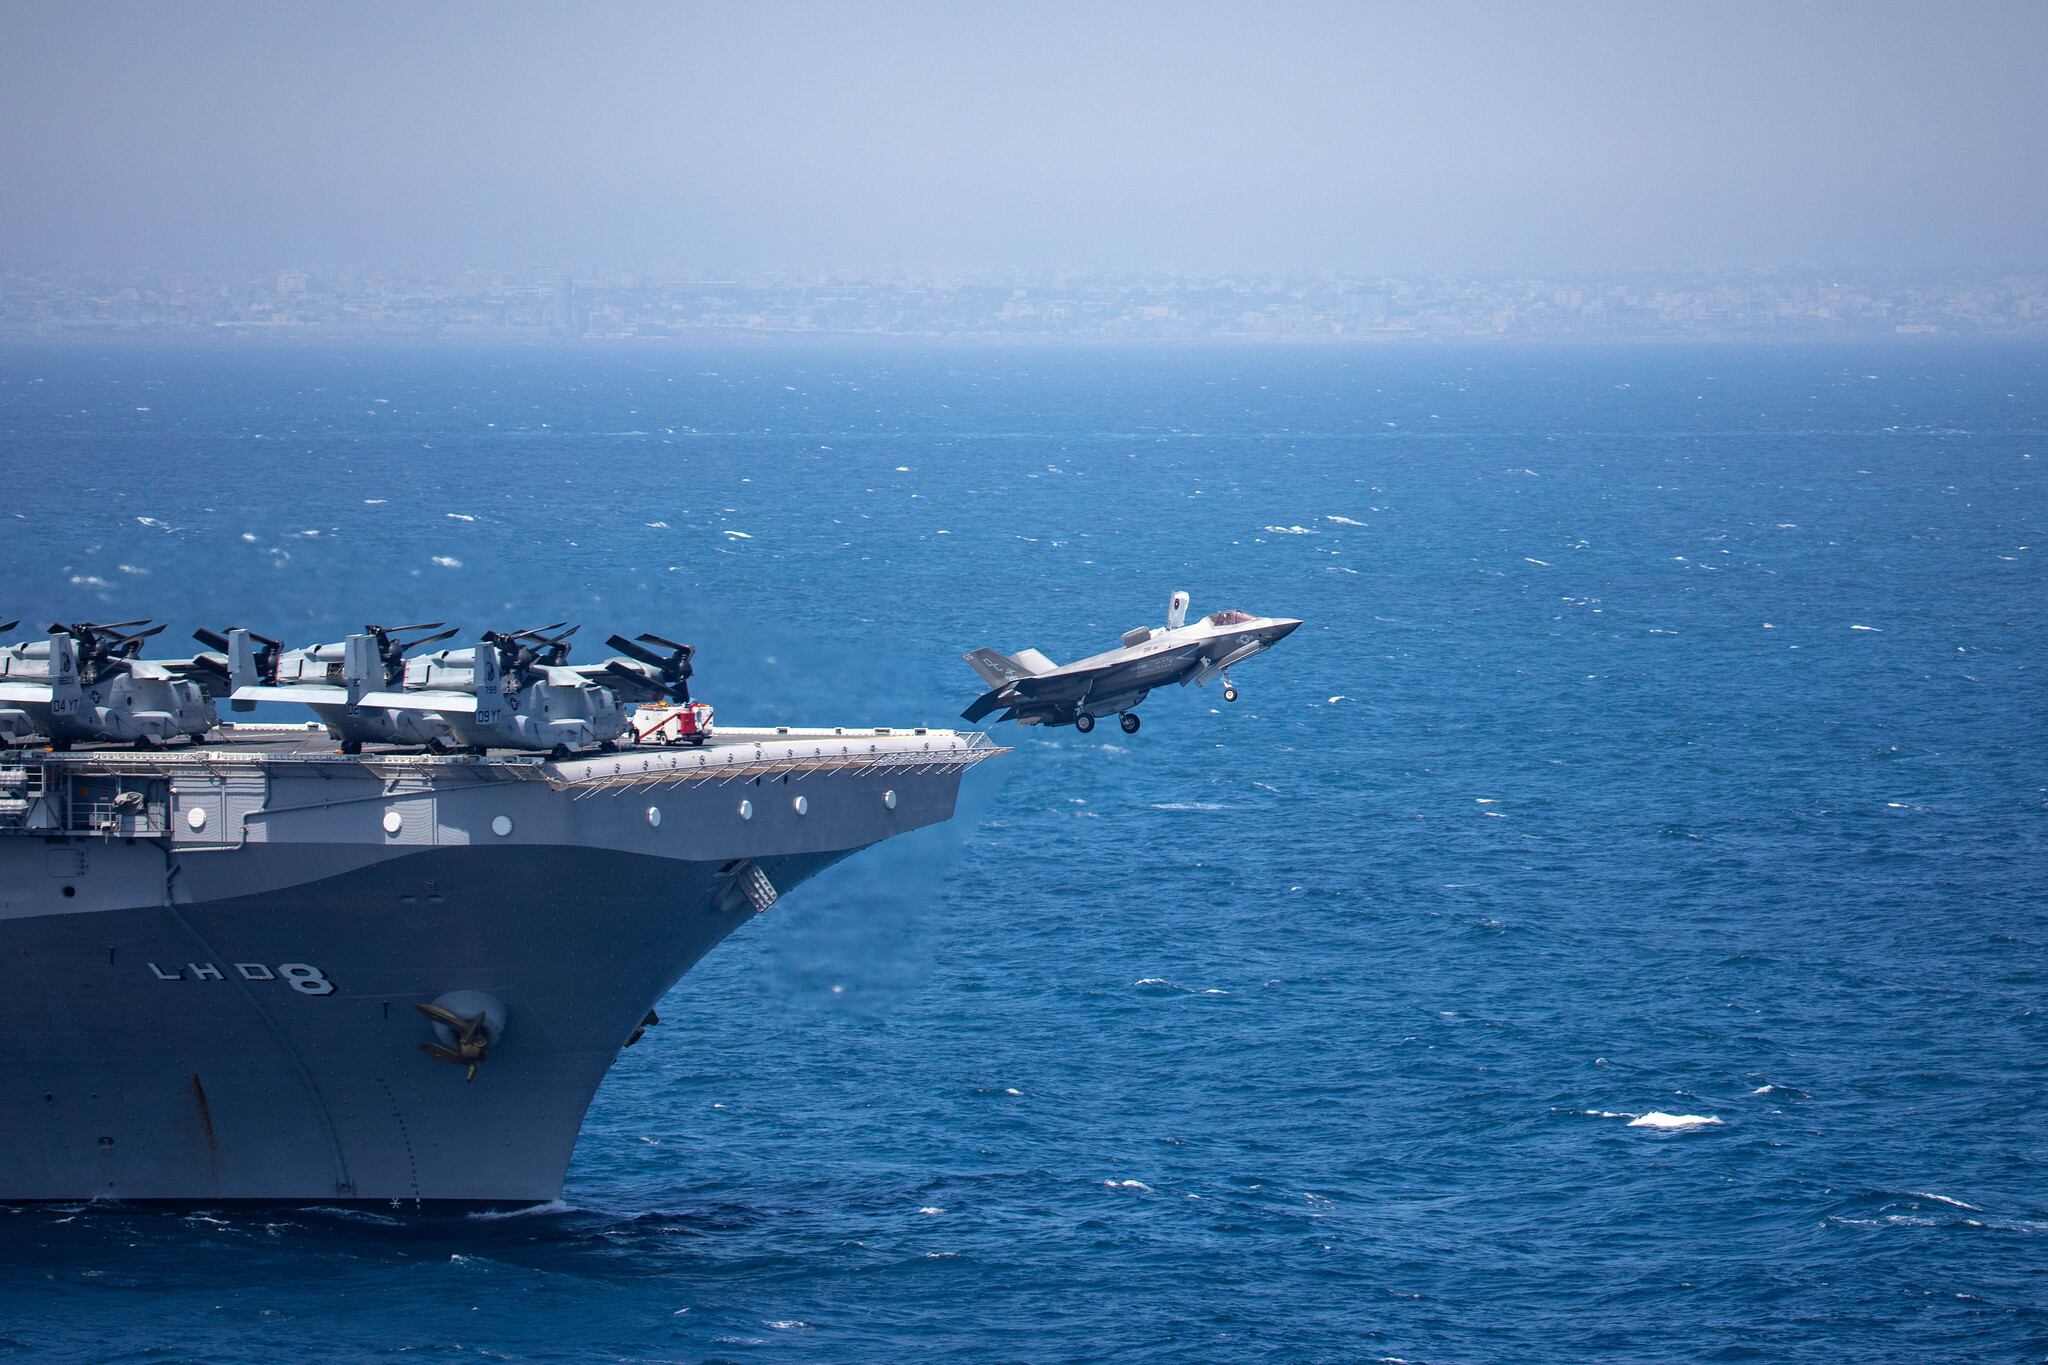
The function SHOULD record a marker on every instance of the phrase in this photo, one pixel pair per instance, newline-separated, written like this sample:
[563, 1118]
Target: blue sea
[1612, 928]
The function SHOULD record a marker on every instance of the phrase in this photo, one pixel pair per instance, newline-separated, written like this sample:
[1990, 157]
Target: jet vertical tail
[997, 669]
[1177, 611]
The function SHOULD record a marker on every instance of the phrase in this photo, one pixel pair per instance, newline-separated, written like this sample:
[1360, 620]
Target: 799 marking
[302, 977]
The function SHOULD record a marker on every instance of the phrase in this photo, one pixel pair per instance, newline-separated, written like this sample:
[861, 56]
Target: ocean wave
[547, 1210]
[1657, 1120]
[1673, 1123]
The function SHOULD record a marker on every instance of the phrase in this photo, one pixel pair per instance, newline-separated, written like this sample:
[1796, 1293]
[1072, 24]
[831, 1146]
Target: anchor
[464, 1039]
[645, 1024]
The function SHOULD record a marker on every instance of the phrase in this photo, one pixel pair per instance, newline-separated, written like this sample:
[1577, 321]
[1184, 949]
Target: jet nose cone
[1281, 628]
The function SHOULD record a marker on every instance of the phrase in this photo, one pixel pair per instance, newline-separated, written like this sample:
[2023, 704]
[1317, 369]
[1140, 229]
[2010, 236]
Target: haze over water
[1610, 927]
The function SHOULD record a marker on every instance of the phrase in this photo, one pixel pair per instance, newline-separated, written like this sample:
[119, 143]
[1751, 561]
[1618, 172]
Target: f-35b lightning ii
[1031, 689]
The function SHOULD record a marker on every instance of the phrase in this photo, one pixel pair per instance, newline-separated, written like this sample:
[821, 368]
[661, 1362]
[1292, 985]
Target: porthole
[802, 805]
[393, 822]
[654, 817]
[746, 810]
[889, 799]
[196, 818]
[501, 825]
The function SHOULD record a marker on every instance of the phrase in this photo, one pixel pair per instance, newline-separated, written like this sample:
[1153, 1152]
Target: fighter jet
[1031, 689]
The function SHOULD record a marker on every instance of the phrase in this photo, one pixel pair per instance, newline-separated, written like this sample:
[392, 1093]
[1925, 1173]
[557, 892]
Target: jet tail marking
[997, 669]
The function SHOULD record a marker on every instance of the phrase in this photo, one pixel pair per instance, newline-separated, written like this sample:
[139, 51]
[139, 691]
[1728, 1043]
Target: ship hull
[240, 1023]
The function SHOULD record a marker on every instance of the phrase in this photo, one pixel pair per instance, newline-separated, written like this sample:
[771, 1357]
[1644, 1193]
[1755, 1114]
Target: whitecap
[1944, 1199]
[1127, 1185]
[736, 535]
[1334, 700]
[1673, 1123]
[930, 1210]
[1874, 630]
[1343, 521]
[657, 526]
[530, 1211]
[1288, 530]
[1537, 562]
[902, 469]
[1187, 805]
[460, 516]
[448, 561]
[375, 502]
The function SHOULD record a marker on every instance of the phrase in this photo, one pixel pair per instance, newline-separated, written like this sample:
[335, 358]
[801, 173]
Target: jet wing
[464, 702]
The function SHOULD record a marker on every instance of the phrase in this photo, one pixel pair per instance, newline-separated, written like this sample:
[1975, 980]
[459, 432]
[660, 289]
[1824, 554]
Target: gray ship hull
[223, 1007]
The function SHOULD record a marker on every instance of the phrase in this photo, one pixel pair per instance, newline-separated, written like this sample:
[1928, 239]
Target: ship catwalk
[258, 969]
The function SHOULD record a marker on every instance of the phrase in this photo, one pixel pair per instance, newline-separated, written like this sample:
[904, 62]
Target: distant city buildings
[1277, 308]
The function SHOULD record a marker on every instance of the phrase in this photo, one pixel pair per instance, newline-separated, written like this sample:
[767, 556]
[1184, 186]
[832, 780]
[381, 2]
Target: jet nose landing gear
[1129, 720]
[1229, 692]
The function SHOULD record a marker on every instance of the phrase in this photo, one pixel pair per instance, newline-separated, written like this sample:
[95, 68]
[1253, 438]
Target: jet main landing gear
[1129, 720]
[1084, 722]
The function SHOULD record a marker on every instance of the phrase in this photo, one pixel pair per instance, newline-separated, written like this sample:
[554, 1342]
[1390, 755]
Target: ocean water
[1611, 928]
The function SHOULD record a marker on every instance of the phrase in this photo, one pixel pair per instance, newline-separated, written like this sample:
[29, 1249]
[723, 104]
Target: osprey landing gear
[1129, 720]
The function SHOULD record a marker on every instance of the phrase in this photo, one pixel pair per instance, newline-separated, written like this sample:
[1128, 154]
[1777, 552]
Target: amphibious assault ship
[256, 968]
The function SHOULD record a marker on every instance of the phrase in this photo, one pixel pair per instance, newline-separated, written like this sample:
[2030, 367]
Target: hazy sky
[1018, 136]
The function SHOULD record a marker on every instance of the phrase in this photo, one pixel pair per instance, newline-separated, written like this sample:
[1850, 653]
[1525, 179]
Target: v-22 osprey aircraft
[1031, 689]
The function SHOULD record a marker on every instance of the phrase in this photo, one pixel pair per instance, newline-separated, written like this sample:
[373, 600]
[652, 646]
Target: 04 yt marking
[303, 978]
